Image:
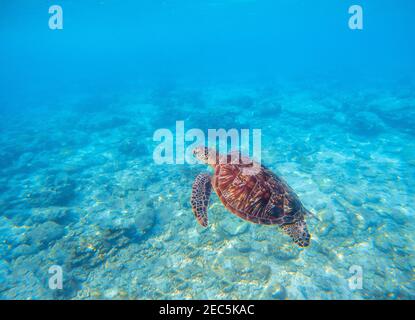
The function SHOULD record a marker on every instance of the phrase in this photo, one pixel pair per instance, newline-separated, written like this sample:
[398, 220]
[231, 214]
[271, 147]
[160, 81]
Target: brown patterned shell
[262, 198]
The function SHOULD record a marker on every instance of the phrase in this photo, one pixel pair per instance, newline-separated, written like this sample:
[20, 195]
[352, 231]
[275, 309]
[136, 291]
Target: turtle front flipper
[298, 232]
[201, 191]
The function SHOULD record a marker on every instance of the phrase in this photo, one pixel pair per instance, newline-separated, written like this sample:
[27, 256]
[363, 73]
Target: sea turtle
[258, 196]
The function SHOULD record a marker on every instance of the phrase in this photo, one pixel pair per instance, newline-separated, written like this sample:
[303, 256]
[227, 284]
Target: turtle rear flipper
[298, 232]
[201, 191]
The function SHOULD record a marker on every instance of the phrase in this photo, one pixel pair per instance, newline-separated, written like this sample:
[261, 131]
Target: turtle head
[205, 154]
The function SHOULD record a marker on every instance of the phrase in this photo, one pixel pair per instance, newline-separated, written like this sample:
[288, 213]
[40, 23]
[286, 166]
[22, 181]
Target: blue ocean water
[80, 190]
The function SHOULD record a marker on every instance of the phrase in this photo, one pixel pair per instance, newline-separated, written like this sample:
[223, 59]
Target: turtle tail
[309, 213]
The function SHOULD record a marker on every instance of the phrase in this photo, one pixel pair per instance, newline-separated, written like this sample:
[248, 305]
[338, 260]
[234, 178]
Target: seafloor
[79, 189]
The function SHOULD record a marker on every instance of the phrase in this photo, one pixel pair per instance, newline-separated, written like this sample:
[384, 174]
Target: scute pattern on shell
[262, 198]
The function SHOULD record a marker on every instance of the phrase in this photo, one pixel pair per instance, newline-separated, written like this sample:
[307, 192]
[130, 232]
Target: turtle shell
[262, 197]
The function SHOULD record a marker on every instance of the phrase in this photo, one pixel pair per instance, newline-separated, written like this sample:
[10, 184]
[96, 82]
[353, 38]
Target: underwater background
[79, 187]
